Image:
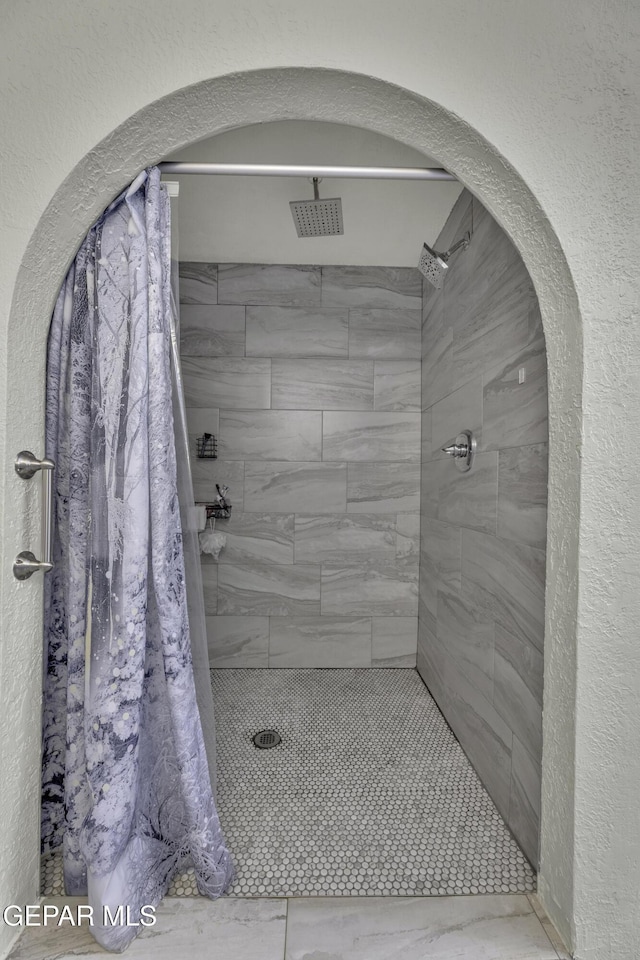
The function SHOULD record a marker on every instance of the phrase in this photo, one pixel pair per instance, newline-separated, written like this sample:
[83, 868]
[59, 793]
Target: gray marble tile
[322, 384]
[295, 487]
[522, 494]
[440, 554]
[297, 332]
[210, 588]
[394, 641]
[549, 929]
[517, 694]
[271, 590]
[459, 410]
[516, 413]
[506, 579]
[383, 487]
[382, 588]
[440, 928]
[389, 334]
[345, 538]
[437, 354]
[524, 807]
[397, 287]
[270, 435]
[227, 383]
[468, 638]
[431, 659]
[371, 436]
[426, 434]
[270, 284]
[434, 475]
[202, 420]
[238, 641]
[470, 499]
[258, 537]
[198, 282]
[397, 384]
[408, 535]
[320, 642]
[207, 473]
[211, 331]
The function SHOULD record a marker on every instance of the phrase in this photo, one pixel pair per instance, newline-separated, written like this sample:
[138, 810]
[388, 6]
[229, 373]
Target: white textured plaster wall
[552, 90]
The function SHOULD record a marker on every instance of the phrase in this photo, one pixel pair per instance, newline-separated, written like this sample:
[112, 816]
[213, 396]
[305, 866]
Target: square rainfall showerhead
[317, 218]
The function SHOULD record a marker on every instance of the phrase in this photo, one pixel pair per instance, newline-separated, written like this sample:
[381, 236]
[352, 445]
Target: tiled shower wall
[482, 561]
[310, 378]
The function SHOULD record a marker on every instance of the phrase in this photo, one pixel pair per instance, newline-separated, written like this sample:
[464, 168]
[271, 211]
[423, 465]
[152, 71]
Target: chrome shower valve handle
[462, 450]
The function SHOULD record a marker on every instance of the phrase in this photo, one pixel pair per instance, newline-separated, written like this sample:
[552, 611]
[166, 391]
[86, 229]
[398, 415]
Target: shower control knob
[462, 450]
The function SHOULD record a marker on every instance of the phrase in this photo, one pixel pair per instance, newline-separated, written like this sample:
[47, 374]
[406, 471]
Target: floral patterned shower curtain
[126, 786]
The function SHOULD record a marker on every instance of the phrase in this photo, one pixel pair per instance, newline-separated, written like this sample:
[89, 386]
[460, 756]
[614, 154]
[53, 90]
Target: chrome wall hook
[462, 449]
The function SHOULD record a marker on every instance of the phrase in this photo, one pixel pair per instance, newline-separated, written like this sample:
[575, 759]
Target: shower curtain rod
[296, 170]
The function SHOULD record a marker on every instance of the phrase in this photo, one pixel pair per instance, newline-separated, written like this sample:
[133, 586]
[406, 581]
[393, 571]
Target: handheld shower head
[433, 265]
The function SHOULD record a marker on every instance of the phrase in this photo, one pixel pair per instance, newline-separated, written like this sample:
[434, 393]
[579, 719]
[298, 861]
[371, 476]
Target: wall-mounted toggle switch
[522, 374]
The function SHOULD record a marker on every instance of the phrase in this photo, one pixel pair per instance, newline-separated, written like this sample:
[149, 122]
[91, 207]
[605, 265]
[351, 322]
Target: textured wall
[310, 379]
[483, 534]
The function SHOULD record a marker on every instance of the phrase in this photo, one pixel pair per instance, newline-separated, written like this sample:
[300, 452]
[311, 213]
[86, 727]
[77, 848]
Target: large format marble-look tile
[468, 638]
[238, 641]
[433, 476]
[371, 436]
[394, 641]
[426, 435]
[518, 673]
[516, 413]
[272, 284]
[295, 487]
[524, 805]
[210, 588]
[437, 353]
[372, 287]
[258, 537]
[227, 383]
[408, 535]
[268, 589]
[438, 928]
[522, 494]
[389, 334]
[211, 331]
[397, 384]
[345, 538]
[320, 642]
[207, 473]
[322, 384]
[549, 929]
[439, 560]
[381, 588]
[459, 410]
[296, 332]
[198, 282]
[383, 487]
[270, 435]
[506, 579]
[202, 420]
[470, 499]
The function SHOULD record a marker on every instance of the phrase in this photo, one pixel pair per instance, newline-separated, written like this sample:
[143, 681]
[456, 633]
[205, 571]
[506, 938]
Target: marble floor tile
[345, 538]
[227, 383]
[394, 641]
[383, 487]
[322, 384]
[397, 384]
[389, 334]
[269, 284]
[461, 928]
[297, 332]
[395, 287]
[320, 642]
[211, 331]
[370, 436]
[270, 435]
[268, 589]
[381, 588]
[295, 487]
[198, 282]
[260, 537]
[238, 641]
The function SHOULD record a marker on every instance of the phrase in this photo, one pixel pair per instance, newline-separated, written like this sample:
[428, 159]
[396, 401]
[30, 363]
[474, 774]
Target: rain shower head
[434, 265]
[317, 218]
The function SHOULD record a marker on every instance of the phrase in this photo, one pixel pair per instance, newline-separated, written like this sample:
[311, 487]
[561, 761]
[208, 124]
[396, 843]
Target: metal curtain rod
[296, 170]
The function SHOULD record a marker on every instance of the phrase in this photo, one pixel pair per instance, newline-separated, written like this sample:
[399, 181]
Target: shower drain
[266, 739]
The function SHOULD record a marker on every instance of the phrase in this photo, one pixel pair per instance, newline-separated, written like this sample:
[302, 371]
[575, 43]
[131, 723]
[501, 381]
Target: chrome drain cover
[267, 739]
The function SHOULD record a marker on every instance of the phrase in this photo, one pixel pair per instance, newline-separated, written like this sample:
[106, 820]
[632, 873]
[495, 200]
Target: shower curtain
[126, 784]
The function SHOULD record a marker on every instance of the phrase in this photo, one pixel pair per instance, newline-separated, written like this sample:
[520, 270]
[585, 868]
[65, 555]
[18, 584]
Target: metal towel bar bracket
[26, 564]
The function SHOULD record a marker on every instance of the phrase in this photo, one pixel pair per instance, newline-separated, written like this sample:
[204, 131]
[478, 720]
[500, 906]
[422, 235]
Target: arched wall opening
[231, 101]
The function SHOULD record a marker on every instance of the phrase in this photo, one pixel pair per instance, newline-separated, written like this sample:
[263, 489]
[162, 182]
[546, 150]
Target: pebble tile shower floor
[368, 794]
